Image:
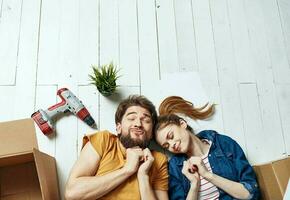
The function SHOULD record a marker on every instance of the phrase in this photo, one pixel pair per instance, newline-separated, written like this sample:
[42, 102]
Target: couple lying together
[205, 165]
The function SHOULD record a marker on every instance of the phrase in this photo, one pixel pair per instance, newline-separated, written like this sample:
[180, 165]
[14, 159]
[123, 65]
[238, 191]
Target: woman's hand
[197, 161]
[193, 177]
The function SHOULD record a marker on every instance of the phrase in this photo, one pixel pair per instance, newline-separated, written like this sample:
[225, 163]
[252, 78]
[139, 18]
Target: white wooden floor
[233, 53]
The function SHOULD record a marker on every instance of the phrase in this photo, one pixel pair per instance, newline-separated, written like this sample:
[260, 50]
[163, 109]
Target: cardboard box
[25, 172]
[273, 178]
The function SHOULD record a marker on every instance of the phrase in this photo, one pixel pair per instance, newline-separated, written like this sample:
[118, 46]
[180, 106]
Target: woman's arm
[193, 177]
[235, 189]
[176, 180]
[245, 172]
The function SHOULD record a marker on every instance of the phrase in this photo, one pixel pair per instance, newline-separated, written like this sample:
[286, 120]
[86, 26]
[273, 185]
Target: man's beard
[128, 142]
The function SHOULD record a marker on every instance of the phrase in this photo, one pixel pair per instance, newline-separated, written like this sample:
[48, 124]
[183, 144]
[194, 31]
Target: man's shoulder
[102, 134]
[101, 137]
[158, 156]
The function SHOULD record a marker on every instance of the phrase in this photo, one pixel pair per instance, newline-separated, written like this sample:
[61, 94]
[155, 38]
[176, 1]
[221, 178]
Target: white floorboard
[167, 41]
[205, 45]
[9, 39]
[235, 54]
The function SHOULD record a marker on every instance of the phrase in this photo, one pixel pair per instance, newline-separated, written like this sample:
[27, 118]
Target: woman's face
[174, 138]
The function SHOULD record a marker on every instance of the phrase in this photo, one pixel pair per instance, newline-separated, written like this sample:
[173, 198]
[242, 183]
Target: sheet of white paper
[184, 84]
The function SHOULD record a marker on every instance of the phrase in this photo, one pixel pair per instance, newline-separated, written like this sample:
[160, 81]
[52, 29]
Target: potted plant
[104, 78]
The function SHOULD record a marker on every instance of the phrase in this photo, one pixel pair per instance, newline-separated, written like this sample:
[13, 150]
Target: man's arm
[82, 182]
[161, 194]
[145, 188]
[147, 192]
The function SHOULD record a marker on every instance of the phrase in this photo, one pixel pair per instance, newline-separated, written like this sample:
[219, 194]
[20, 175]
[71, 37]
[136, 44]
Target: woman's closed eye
[165, 145]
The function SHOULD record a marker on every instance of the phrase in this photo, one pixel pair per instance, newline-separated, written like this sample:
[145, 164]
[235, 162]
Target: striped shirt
[207, 190]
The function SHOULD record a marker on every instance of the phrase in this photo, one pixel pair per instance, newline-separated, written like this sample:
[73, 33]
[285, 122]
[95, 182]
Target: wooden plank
[90, 98]
[227, 73]
[67, 76]
[204, 41]
[275, 40]
[44, 98]
[283, 94]
[258, 41]
[216, 122]
[49, 42]
[109, 33]
[284, 7]
[257, 150]
[270, 114]
[8, 101]
[9, 39]
[1, 3]
[69, 62]
[241, 42]
[27, 58]
[256, 130]
[168, 57]
[223, 43]
[271, 121]
[89, 38]
[232, 113]
[108, 107]
[185, 35]
[66, 140]
[128, 40]
[148, 46]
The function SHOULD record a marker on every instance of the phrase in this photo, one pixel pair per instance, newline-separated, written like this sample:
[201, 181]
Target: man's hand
[148, 160]
[133, 158]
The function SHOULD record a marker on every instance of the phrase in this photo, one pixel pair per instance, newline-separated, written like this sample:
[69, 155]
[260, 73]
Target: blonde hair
[176, 104]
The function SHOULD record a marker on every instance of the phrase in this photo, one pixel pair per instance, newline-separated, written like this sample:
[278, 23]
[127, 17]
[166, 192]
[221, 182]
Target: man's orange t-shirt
[113, 157]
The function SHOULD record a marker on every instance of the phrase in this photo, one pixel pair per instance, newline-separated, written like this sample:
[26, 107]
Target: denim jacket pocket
[223, 165]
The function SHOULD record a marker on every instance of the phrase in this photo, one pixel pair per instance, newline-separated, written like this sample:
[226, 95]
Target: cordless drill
[69, 103]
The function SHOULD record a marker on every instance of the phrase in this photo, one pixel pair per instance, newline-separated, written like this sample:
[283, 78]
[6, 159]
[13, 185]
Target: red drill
[69, 103]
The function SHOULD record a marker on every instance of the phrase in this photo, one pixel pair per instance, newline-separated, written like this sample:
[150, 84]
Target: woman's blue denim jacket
[226, 158]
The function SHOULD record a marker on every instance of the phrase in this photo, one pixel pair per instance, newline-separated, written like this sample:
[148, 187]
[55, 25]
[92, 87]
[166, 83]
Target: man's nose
[138, 122]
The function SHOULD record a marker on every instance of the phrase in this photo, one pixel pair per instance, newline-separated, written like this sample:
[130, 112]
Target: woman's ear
[183, 123]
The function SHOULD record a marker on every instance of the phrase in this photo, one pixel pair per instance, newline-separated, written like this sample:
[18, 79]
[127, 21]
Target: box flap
[46, 169]
[17, 137]
[17, 159]
[267, 182]
[282, 173]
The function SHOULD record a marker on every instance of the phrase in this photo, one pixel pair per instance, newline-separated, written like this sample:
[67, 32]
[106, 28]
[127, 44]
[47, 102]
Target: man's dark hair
[136, 100]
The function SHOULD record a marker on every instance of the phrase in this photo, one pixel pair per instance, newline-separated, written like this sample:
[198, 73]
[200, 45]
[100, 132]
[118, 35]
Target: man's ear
[118, 128]
[183, 123]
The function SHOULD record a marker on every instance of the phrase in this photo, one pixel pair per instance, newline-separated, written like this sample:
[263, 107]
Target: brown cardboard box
[273, 178]
[25, 172]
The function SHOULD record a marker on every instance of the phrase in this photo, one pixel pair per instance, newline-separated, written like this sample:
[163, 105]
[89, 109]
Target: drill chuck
[90, 121]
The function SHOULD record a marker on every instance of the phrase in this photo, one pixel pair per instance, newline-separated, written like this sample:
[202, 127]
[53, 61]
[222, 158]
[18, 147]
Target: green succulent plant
[104, 78]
